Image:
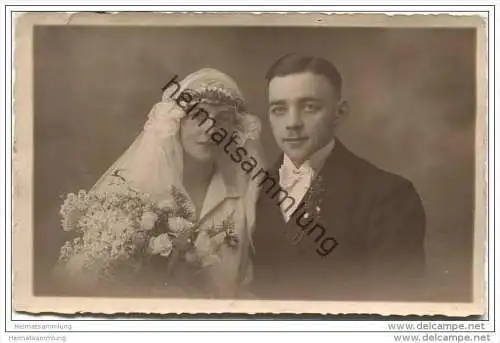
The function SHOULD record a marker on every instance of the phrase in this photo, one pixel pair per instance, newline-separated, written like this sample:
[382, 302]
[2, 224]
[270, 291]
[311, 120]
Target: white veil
[154, 162]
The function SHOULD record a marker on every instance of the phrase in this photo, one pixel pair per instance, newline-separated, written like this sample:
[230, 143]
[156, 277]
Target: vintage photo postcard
[249, 163]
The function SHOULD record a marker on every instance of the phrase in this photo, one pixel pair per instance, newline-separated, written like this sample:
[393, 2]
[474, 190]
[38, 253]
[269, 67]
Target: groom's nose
[294, 119]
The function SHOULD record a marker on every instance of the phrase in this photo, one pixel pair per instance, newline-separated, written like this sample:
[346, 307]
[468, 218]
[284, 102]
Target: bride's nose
[205, 134]
[206, 123]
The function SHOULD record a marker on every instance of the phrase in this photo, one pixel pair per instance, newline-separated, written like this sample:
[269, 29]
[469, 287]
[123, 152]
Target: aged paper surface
[24, 168]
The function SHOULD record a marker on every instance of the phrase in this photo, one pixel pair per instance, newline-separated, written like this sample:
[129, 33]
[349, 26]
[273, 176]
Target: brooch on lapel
[226, 228]
[311, 208]
[314, 197]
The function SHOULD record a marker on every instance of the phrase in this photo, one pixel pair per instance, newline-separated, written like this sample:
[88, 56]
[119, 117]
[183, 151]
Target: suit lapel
[328, 200]
[335, 182]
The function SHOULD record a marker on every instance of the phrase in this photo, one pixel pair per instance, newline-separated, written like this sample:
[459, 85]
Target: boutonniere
[314, 196]
[319, 186]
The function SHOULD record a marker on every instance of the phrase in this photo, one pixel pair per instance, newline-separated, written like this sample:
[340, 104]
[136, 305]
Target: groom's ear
[343, 108]
[342, 111]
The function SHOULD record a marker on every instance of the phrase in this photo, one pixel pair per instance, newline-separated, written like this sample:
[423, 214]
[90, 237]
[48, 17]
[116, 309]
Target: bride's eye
[225, 119]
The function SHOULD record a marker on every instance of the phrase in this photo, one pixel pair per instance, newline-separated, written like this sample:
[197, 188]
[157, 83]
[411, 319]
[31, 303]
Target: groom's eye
[277, 110]
[311, 107]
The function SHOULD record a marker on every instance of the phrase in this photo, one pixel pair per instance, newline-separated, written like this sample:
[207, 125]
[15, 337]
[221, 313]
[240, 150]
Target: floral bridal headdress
[206, 86]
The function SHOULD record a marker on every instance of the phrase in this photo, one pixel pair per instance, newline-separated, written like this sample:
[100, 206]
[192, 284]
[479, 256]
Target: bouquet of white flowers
[118, 234]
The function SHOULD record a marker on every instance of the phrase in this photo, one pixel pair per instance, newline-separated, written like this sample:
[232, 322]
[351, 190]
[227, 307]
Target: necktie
[295, 183]
[293, 178]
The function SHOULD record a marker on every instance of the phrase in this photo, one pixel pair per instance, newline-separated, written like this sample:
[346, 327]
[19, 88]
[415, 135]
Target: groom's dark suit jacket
[377, 219]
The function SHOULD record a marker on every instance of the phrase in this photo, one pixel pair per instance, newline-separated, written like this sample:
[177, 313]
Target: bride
[187, 177]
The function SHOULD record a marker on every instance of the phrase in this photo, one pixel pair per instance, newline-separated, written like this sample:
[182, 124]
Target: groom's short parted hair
[295, 63]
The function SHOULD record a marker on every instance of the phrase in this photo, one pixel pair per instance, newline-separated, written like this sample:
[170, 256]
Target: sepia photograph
[303, 161]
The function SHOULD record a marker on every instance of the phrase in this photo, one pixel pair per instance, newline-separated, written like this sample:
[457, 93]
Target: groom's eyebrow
[309, 99]
[277, 102]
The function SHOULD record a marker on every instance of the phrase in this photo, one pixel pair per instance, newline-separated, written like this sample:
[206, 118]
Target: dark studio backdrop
[411, 92]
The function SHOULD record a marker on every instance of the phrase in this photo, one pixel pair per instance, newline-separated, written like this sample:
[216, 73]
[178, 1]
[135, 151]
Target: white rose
[179, 225]
[148, 220]
[166, 204]
[161, 245]
[204, 245]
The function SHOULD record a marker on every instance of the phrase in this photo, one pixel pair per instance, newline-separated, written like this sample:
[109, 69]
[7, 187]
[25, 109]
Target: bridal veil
[154, 162]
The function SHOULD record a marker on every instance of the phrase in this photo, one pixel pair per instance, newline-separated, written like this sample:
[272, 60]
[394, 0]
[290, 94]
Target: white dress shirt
[296, 181]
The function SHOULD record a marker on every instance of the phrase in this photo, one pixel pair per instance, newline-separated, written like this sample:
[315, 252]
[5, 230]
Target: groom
[374, 219]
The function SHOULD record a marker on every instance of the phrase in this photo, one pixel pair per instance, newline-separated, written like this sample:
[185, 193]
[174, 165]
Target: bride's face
[196, 130]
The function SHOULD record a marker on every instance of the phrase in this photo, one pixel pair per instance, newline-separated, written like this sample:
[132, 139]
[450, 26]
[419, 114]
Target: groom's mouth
[295, 139]
[295, 142]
